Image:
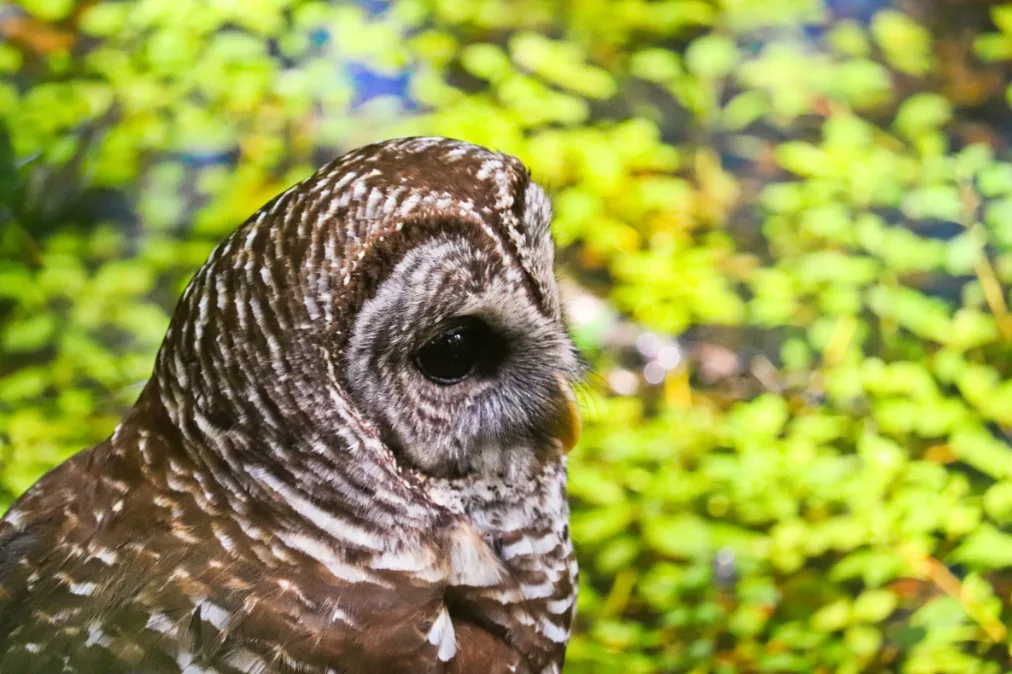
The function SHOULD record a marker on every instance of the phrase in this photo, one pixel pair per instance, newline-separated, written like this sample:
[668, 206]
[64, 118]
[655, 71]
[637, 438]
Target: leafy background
[785, 227]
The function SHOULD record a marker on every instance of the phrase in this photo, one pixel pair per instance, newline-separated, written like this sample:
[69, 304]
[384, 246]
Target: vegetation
[787, 224]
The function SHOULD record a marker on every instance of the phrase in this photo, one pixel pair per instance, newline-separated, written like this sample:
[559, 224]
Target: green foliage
[823, 480]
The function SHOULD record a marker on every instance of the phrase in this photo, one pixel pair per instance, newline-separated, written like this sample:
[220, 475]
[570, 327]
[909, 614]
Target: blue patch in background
[369, 84]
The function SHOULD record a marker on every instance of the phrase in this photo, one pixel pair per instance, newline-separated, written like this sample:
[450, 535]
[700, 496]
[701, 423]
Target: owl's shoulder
[115, 574]
[52, 506]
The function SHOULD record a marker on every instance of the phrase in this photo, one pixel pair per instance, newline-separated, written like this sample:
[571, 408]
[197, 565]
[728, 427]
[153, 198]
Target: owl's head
[460, 353]
[412, 279]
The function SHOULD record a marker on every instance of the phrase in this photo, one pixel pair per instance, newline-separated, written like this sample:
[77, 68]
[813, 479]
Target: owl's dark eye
[461, 349]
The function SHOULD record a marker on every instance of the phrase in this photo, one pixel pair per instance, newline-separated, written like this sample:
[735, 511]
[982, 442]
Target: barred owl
[350, 457]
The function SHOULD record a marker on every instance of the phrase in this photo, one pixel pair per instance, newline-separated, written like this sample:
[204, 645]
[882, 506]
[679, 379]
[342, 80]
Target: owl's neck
[500, 503]
[324, 467]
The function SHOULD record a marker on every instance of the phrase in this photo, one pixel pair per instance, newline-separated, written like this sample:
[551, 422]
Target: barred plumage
[296, 490]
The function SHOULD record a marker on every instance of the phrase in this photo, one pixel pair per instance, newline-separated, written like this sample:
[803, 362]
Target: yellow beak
[566, 428]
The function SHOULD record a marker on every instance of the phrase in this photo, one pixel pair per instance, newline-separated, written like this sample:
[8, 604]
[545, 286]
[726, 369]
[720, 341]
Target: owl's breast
[526, 523]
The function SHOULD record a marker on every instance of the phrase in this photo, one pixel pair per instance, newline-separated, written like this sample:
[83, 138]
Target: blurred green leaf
[922, 113]
[906, 44]
[985, 548]
[711, 56]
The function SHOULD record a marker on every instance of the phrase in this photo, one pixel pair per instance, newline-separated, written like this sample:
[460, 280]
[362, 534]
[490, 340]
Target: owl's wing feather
[479, 651]
[14, 544]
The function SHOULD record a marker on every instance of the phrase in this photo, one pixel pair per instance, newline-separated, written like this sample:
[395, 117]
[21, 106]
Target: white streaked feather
[442, 635]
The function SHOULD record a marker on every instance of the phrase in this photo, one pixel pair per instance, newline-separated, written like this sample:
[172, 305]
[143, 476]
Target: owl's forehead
[372, 194]
[397, 177]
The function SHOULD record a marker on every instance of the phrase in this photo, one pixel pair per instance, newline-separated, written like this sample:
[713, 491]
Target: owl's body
[348, 459]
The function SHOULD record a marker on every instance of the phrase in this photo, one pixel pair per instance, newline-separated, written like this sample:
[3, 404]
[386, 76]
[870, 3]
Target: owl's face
[459, 365]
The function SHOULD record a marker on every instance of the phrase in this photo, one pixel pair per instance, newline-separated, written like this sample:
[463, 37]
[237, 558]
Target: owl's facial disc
[459, 368]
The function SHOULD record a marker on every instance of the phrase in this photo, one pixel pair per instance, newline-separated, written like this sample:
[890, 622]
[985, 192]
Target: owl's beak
[566, 426]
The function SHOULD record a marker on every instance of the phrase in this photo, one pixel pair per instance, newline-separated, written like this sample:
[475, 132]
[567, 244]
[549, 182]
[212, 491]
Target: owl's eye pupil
[452, 355]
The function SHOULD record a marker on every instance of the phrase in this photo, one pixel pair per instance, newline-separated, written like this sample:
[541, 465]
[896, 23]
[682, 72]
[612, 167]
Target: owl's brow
[518, 246]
